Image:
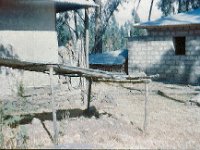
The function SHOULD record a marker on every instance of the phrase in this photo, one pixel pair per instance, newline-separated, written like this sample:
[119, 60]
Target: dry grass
[171, 125]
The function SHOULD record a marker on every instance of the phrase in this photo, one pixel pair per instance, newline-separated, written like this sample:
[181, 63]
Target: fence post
[145, 107]
[89, 86]
[55, 139]
[1, 124]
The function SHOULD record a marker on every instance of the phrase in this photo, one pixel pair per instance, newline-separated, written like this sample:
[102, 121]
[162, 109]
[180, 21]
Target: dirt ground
[117, 118]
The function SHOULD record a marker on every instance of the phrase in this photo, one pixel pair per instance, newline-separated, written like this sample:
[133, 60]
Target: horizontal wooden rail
[61, 69]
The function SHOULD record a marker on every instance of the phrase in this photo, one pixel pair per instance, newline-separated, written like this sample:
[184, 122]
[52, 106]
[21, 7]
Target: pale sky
[124, 13]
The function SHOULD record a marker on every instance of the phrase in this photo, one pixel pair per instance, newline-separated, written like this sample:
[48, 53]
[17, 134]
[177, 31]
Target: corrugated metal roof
[181, 19]
[109, 58]
[64, 5]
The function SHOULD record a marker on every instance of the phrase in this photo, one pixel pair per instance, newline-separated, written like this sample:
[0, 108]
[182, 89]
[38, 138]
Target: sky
[124, 13]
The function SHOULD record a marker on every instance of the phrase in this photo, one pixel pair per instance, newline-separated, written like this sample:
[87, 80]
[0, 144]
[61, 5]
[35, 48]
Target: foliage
[21, 97]
[107, 11]
[10, 120]
[114, 37]
[7, 120]
[20, 89]
[70, 26]
[124, 33]
[63, 32]
[64, 26]
[136, 31]
[22, 138]
[166, 6]
[170, 6]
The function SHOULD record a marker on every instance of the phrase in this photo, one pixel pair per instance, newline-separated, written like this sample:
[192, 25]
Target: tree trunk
[179, 6]
[187, 4]
[107, 12]
[136, 9]
[150, 10]
[193, 3]
[76, 26]
[98, 38]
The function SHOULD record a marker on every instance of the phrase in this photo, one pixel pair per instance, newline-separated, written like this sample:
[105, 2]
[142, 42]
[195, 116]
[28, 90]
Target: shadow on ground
[61, 114]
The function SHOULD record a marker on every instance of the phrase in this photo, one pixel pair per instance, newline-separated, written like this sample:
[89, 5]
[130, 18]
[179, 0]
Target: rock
[36, 121]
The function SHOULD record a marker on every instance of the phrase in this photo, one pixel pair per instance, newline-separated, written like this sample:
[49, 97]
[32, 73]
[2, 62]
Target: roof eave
[62, 6]
[165, 26]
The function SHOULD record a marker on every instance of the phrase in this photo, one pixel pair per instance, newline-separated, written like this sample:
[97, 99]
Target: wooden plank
[67, 70]
[123, 80]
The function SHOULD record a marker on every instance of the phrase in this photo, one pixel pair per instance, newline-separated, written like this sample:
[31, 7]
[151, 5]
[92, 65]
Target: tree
[69, 26]
[98, 37]
[63, 32]
[168, 6]
[195, 4]
[107, 12]
[124, 32]
[99, 21]
[150, 10]
[136, 31]
[136, 8]
[112, 37]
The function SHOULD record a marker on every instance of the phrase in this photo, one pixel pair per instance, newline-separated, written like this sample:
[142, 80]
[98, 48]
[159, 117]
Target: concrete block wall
[27, 32]
[28, 27]
[155, 53]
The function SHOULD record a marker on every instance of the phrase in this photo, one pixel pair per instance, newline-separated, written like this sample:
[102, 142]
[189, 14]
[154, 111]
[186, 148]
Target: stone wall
[155, 53]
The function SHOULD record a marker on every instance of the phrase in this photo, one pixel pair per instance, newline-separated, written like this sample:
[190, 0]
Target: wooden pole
[1, 124]
[145, 108]
[86, 37]
[53, 108]
[86, 47]
[89, 94]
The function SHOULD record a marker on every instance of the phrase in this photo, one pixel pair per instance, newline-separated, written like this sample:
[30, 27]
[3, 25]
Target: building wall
[29, 28]
[155, 53]
[27, 32]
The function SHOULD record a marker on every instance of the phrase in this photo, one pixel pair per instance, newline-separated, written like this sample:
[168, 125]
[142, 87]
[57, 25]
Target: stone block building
[171, 48]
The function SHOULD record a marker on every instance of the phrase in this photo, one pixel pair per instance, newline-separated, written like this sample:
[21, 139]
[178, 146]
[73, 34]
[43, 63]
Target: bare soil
[116, 120]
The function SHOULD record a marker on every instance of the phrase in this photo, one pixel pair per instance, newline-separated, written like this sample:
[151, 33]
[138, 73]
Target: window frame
[180, 45]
